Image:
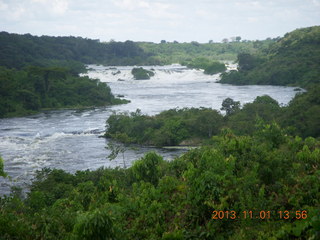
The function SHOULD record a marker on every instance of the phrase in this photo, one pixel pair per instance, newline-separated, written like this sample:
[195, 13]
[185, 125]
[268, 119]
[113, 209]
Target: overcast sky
[154, 20]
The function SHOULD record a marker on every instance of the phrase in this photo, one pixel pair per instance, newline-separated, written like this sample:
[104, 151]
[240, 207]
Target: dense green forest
[39, 73]
[194, 126]
[16, 51]
[254, 174]
[26, 89]
[292, 60]
[259, 186]
[184, 53]
[141, 73]
[210, 67]
[33, 89]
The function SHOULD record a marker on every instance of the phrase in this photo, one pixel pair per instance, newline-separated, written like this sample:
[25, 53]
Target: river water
[69, 139]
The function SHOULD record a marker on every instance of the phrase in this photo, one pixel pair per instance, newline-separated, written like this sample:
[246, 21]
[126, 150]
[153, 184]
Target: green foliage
[208, 66]
[303, 113]
[154, 199]
[28, 91]
[94, 225]
[18, 51]
[193, 126]
[262, 108]
[215, 67]
[147, 168]
[292, 60]
[230, 106]
[249, 163]
[184, 53]
[141, 73]
[247, 61]
[2, 173]
[168, 128]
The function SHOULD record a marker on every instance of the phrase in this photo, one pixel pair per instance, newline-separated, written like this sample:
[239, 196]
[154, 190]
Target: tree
[230, 106]
[2, 173]
[209, 122]
[94, 225]
[147, 168]
[233, 39]
[265, 99]
[215, 67]
[141, 73]
[247, 61]
[238, 38]
[225, 40]
[195, 43]
[115, 149]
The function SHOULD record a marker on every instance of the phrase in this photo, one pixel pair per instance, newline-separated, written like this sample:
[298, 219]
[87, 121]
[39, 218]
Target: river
[69, 139]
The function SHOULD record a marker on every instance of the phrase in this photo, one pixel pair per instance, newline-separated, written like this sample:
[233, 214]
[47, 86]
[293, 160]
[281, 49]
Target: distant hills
[17, 51]
[292, 60]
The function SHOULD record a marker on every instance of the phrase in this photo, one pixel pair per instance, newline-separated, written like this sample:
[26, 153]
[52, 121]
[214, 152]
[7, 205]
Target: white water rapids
[69, 139]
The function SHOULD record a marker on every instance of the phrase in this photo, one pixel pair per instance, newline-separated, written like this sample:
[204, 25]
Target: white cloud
[181, 20]
[55, 7]
[59, 6]
[3, 6]
[316, 3]
[162, 11]
[39, 1]
[153, 9]
[126, 4]
[252, 19]
[18, 13]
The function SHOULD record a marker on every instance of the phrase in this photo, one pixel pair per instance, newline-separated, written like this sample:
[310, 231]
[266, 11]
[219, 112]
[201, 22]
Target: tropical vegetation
[17, 50]
[254, 174]
[141, 73]
[209, 67]
[293, 60]
[192, 126]
[174, 52]
[259, 186]
[33, 89]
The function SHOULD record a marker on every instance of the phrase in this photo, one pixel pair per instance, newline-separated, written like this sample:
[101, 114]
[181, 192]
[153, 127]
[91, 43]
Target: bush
[94, 225]
[215, 67]
[141, 73]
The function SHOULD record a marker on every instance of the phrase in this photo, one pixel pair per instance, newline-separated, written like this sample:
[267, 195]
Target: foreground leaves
[156, 199]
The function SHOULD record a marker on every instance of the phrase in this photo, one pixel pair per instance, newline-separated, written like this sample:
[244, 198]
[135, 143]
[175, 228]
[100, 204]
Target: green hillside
[30, 90]
[184, 53]
[262, 186]
[293, 60]
[17, 51]
[39, 73]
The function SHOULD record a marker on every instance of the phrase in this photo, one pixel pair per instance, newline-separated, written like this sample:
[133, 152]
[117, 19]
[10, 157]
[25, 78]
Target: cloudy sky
[154, 20]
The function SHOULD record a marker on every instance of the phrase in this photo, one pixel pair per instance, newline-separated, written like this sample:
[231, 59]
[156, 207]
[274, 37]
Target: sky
[156, 20]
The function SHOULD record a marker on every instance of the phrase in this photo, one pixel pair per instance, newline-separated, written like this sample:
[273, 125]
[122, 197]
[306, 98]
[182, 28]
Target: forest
[293, 60]
[184, 53]
[252, 171]
[20, 50]
[33, 89]
[197, 125]
[38, 73]
[41, 73]
[259, 186]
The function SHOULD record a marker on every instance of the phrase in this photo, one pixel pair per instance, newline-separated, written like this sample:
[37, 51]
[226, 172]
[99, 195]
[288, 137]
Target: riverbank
[193, 126]
[69, 139]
